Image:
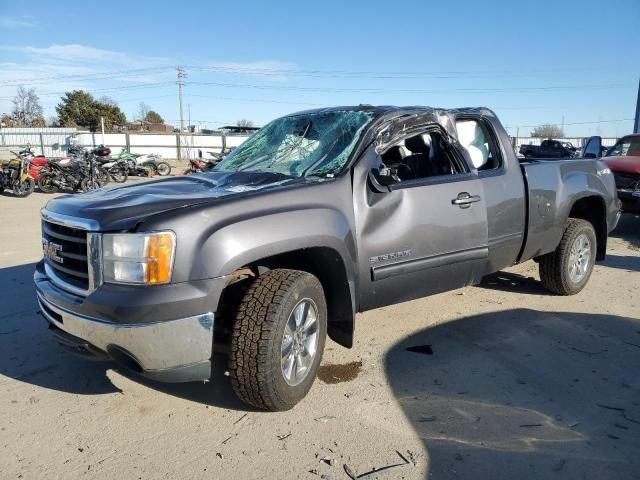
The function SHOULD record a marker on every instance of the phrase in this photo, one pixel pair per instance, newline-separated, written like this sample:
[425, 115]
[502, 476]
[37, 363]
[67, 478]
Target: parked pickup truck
[317, 216]
[549, 149]
[624, 161]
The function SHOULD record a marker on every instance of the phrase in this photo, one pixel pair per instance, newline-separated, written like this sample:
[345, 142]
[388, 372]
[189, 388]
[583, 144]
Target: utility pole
[636, 125]
[181, 76]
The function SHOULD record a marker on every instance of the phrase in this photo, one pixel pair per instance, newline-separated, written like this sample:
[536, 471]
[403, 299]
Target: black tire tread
[551, 264]
[248, 362]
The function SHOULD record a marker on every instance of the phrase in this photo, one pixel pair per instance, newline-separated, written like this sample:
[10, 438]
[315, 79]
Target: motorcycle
[14, 174]
[199, 165]
[143, 165]
[117, 171]
[79, 173]
[36, 162]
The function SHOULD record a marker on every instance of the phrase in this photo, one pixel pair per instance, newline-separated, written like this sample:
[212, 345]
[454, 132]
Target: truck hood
[121, 208]
[624, 164]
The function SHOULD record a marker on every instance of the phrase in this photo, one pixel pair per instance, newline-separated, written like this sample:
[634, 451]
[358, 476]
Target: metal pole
[102, 125]
[42, 144]
[181, 75]
[636, 126]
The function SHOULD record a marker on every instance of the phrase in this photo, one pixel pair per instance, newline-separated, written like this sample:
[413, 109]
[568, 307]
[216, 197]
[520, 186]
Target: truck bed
[547, 204]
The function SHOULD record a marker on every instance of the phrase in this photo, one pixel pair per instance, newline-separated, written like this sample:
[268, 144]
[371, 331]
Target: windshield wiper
[313, 165]
[251, 164]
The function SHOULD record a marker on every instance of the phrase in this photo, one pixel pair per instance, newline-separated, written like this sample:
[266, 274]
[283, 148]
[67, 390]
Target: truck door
[504, 189]
[421, 220]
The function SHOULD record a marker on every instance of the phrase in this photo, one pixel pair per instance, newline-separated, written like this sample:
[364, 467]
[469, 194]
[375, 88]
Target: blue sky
[531, 62]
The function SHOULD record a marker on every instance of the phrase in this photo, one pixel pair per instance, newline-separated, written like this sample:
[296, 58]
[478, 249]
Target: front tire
[118, 174]
[89, 184]
[567, 269]
[278, 339]
[25, 188]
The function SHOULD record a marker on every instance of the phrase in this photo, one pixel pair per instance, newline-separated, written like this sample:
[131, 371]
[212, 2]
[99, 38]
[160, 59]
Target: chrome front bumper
[175, 350]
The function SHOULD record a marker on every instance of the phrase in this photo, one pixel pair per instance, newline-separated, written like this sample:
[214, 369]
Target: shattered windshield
[316, 144]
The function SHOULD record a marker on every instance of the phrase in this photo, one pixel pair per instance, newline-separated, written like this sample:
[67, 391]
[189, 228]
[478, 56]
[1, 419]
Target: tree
[108, 101]
[53, 121]
[244, 123]
[27, 111]
[547, 131]
[79, 108]
[153, 117]
[143, 111]
[6, 121]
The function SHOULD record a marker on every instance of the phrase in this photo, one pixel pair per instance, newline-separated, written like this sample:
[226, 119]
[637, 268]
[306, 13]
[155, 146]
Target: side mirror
[382, 179]
[593, 148]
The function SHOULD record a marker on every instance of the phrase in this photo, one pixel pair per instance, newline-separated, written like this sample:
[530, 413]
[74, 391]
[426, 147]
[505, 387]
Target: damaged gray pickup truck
[317, 216]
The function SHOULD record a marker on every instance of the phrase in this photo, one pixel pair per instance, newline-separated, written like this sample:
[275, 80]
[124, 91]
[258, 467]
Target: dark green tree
[80, 109]
[153, 117]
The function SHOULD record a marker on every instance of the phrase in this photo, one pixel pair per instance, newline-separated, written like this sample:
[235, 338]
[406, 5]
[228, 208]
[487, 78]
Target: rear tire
[567, 269]
[163, 169]
[45, 184]
[278, 339]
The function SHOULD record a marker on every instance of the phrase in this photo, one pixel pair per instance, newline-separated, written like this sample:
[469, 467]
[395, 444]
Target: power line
[82, 77]
[408, 90]
[575, 123]
[279, 72]
[110, 89]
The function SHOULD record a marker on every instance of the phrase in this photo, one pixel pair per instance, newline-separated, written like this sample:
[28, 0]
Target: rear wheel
[567, 269]
[45, 183]
[89, 184]
[278, 339]
[24, 188]
[163, 169]
[118, 174]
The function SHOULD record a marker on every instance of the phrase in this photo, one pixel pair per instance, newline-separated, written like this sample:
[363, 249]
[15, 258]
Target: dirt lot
[500, 381]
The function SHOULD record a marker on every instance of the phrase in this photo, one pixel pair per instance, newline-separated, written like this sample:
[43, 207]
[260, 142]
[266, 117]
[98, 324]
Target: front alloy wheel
[300, 342]
[278, 337]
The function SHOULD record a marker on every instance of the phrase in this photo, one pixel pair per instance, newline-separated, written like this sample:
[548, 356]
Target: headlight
[139, 258]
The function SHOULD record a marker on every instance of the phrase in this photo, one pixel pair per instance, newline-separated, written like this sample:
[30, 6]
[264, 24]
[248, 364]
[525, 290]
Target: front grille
[627, 181]
[65, 251]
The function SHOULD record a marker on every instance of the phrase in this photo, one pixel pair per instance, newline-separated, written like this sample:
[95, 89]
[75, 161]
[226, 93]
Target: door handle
[464, 200]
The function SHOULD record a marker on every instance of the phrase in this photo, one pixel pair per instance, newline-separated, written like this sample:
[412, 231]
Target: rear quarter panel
[554, 187]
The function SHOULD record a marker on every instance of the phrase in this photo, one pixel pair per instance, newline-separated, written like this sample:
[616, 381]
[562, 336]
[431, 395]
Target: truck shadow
[513, 282]
[628, 229]
[29, 353]
[523, 394]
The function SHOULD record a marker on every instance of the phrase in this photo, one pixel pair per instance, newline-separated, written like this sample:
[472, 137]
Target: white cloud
[64, 67]
[24, 21]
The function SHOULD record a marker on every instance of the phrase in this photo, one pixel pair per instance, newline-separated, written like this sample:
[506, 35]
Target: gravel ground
[502, 380]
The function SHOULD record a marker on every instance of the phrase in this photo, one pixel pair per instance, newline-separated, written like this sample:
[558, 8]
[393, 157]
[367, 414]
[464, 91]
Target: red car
[624, 161]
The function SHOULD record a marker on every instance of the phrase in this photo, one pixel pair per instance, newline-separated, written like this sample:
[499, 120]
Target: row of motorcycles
[83, 170]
